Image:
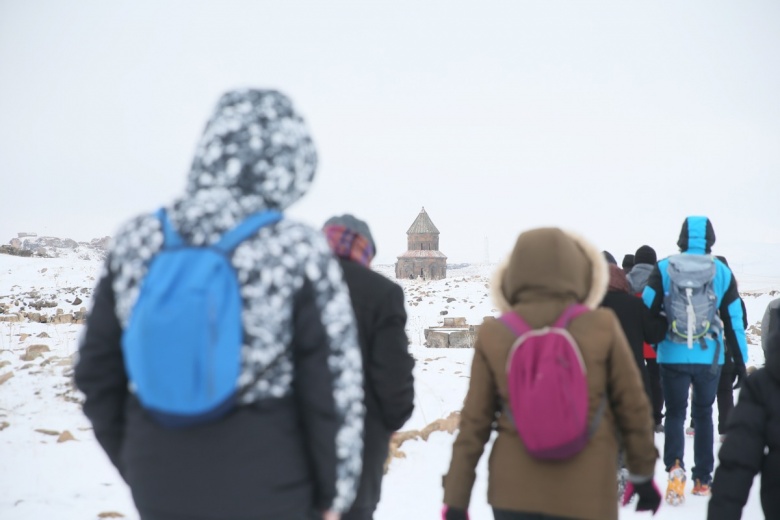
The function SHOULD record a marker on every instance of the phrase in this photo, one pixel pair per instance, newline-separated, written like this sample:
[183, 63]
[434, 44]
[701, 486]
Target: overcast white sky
[615, 119]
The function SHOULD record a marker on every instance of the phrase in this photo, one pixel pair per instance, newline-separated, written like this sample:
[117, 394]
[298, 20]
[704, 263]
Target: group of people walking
[295, 423]
[643, 362]
[647, 336]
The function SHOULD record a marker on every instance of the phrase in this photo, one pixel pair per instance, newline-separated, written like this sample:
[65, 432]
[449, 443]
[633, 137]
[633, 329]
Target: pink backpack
[548, 388]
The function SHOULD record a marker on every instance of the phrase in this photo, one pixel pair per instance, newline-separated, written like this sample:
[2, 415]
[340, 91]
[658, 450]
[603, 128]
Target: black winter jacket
[387, 368]
[639, 325]
[752, 442]
[268, 460]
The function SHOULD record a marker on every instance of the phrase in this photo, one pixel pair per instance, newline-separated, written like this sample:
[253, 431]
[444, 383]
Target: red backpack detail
[648, 352]
[548, 388]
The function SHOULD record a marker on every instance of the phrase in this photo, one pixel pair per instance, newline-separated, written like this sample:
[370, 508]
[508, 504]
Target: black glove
[649, 496]
[741, 372]
[450, 513]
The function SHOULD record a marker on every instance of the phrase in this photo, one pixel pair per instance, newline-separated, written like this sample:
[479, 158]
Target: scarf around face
[349, 245]
[617, 280]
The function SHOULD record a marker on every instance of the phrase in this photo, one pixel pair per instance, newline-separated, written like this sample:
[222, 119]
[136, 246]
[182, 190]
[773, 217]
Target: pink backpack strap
[515, 323]
[518, 325]
[571, 312]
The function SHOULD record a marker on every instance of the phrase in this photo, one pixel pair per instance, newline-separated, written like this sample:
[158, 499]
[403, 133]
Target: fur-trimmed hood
[550, 263]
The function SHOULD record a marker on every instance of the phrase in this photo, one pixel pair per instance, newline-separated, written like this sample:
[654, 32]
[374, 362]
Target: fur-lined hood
[550, 263]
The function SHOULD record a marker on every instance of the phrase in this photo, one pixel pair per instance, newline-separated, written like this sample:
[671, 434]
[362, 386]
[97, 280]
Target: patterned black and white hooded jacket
[296, 444]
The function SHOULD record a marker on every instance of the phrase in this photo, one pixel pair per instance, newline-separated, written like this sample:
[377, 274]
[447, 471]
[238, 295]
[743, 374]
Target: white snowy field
[42, 478]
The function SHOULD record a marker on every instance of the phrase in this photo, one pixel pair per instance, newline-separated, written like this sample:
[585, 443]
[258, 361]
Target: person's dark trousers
[725, 394]
[359, 513]
[677, 380]
[656, 391]
[500, 514]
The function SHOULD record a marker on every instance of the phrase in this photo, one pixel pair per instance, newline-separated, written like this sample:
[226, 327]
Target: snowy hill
[46, 476]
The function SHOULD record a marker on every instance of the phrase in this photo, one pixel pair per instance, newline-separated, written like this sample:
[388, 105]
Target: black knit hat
[645, 255]
[628, 261]
[609, 257]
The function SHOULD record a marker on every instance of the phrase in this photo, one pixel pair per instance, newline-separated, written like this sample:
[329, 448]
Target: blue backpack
[182, 344]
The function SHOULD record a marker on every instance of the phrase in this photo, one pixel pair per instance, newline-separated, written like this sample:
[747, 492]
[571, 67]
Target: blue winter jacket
[697, 238]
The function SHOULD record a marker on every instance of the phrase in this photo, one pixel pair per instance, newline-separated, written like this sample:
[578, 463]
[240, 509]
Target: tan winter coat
[548, 270]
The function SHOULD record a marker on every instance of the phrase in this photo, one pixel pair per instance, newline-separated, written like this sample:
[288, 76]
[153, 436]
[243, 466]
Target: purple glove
[649, 496]
[450, 513]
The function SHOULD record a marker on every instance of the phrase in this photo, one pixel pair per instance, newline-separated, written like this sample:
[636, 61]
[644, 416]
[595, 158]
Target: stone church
[422, 258]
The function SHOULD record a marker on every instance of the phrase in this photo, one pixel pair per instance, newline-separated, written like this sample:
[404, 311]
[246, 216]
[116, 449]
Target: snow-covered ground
[42, 478]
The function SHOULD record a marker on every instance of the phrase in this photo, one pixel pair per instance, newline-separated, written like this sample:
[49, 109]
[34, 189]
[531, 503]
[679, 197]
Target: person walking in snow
[752, 443]
[638, 324]
[549, 273]
[698, 295]
[644, 263]
[387, 365]
[291, 447]
[728, 374]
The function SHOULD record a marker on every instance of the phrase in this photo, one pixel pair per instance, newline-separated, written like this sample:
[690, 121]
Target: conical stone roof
[422, 225]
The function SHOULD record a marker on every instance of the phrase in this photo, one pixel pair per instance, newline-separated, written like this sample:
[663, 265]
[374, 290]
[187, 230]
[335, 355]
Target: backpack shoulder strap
[246, 229]
[519, 326]
[515, 323]
[171, 238]
[571, 312]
